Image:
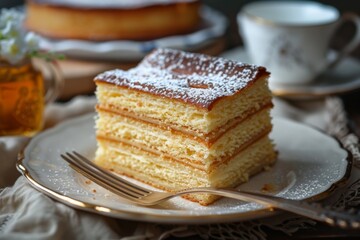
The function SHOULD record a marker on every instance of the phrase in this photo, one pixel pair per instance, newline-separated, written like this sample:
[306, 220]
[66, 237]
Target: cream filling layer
[143, 165]
[170, 175]
[178, 145]
[209, 138]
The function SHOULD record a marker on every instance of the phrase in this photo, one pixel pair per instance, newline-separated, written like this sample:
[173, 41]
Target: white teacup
[292, 38]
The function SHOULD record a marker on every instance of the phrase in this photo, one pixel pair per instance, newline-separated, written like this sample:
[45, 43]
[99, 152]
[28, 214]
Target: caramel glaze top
[192, 78]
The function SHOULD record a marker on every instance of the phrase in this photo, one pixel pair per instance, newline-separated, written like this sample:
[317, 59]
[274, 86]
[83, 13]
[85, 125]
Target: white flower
[32, 41]
[10, 15]
[15, 42]
[13, 51]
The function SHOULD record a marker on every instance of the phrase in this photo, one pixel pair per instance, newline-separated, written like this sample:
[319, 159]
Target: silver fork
[142, 196]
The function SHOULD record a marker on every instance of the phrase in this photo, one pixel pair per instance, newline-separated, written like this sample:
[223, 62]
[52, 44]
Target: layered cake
[180, 120]
[103, 20]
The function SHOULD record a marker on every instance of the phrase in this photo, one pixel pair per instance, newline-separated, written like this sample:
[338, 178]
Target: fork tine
[102, 183]
[115, 178]
[108, 177]
[102, 178]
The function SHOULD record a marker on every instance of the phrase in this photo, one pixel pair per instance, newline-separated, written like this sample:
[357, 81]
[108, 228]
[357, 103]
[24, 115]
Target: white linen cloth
[26, 213]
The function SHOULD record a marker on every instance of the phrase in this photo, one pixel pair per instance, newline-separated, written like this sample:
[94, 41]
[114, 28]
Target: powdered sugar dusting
[189, 77]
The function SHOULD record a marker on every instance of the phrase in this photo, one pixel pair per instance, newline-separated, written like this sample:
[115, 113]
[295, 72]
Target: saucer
[214, 27]
[344, 78]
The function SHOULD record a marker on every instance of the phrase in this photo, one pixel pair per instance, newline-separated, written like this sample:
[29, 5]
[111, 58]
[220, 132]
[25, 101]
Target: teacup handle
[351, 17]
[55, 76]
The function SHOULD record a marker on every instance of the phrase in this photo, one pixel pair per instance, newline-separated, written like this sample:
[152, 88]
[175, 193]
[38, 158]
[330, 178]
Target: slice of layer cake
[180, 120]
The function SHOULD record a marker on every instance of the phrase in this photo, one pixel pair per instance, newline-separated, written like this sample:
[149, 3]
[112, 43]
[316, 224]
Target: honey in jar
[21, 99]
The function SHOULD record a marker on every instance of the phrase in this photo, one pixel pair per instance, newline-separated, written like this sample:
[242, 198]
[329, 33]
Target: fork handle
[311, 210]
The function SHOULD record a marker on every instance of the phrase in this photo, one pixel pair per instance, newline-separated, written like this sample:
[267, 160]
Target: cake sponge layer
[180, 114]
[164, 140]
[170, 175]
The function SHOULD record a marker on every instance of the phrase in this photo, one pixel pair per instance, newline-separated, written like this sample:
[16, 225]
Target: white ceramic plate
[214, 26]
[310, 165]
[342, 79]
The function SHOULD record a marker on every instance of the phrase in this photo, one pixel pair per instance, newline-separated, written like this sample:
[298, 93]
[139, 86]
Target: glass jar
[22, 98]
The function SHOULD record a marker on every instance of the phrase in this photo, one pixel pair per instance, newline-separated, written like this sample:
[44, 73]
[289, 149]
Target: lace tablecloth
[27, 214]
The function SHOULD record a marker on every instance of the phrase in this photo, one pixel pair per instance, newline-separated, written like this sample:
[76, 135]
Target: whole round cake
[104, 20]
